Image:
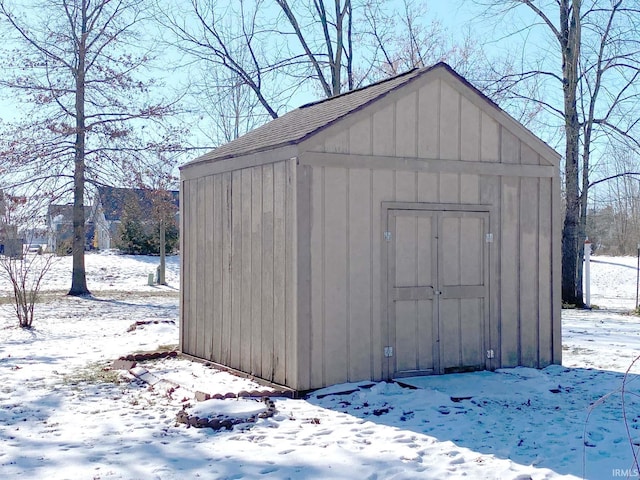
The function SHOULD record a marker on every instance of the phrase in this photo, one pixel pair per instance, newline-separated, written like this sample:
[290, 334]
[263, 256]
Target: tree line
[119, 91]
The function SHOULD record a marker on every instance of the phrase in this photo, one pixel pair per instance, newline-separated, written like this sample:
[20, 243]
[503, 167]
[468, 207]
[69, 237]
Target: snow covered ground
[65, 414]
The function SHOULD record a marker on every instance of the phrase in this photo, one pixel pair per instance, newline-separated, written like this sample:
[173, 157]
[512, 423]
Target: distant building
[60, 228]
[110, 206]
[10, 244]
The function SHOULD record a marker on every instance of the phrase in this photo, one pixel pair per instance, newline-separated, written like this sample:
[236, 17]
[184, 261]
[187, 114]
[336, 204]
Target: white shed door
[437, 291]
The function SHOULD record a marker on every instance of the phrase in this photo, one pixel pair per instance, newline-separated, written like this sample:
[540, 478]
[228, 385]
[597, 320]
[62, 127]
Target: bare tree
[330, 52]
[277, 48]
[232, 39]
[74, 63]
[590, 84]
[615, 204]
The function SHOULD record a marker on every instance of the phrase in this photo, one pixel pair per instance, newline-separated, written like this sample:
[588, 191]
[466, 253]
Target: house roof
[64, 213]
[113, 199]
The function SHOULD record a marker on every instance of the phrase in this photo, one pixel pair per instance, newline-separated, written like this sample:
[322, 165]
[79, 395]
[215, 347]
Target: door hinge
[489, 237]
[388, 352]
[387, 236]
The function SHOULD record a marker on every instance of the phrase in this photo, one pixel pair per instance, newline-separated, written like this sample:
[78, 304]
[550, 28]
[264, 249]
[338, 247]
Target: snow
[66, 414]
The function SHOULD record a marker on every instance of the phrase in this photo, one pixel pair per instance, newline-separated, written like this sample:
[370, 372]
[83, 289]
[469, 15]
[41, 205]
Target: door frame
[388, 333]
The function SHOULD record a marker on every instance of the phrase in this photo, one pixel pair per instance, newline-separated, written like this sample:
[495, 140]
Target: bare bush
[25, 272]
[23, 267]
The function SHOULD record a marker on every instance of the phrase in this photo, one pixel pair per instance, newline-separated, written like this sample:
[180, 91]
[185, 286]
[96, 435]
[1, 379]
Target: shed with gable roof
[410, 227]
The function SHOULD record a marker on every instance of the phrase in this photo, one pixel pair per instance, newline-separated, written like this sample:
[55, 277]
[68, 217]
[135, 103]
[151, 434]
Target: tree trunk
[78, 276]
[570, 43]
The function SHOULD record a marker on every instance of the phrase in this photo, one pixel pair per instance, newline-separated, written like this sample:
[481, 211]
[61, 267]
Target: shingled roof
[297, 125]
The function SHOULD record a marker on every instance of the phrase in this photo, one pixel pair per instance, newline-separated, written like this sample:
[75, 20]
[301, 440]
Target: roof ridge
[359, 89]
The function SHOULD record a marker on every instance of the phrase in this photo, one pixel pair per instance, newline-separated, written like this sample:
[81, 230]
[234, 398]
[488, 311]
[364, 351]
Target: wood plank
[471, 324]
[469, 131]
[529, 231]
[449, 188]
[405, 330]
[207, 221]
[469, 188]
[406, 124]
[406, 333]
[406, 250]
[317, 326]
[182, 268]
[335, 268]
[428, 187]
[339, 143]
[246, 273]
[360, 137]
[256, 270]
[406, 186]
[382, 190]
[226, 268]
[267, 371]
[427, 263]
[450, 247]
[304, 275]
[545, 307]
[491, 194]
[425, 337]
[471, 250]
[237, 295]
[429, 165]
[450, 331]
[449, 122]
[428, 120]
[489, 139]
[510, 147]
[186, 266]
[412, 293]
[556, 274]
[279, 272]
[290, 280]
[217, 266]
[197, 271]
[359, 258]
[383, 132]
[529, 155]
[510, 287]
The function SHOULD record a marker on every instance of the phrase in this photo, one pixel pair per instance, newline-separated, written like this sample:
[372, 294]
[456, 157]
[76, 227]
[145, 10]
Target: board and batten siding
[238, 267]
[432, 144]
[285, 266]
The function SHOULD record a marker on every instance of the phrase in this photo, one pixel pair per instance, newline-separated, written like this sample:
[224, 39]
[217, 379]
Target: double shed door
[437, 303]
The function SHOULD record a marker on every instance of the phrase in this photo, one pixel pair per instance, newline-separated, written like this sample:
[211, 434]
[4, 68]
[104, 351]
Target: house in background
[10, 244]
[60, 228]
[411, 227]
[110, 205]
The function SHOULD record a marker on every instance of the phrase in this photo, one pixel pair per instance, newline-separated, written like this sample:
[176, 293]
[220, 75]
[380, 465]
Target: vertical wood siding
[347, 329]
[284, 266]
[238, 245]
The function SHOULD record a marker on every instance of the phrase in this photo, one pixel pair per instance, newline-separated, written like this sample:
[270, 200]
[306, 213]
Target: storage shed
[407, 228]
